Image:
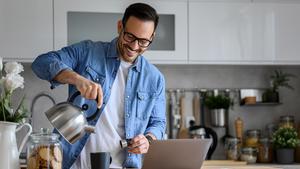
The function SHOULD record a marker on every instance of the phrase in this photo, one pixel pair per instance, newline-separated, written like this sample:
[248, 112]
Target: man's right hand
[90, 90]
[87, 88]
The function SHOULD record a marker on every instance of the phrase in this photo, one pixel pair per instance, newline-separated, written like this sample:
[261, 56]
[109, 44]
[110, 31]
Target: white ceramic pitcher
[9, 155]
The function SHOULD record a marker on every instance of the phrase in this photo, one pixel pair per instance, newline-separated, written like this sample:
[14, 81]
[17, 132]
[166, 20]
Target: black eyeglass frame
[134, 38]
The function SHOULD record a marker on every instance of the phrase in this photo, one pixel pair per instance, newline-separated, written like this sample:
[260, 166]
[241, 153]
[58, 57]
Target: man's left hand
[139, 145]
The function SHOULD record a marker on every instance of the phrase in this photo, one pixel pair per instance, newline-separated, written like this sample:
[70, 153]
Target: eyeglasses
[129, 37]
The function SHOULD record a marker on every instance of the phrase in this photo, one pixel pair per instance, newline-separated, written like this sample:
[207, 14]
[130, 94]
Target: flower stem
[3, 111]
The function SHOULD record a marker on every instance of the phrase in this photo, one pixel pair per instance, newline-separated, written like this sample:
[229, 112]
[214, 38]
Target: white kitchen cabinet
[25, 29]
[228, 33]
[283, 16]
[63, 9]
[287, 33]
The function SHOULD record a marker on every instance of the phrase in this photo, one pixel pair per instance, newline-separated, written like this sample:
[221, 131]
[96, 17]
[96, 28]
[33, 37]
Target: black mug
[100, 160]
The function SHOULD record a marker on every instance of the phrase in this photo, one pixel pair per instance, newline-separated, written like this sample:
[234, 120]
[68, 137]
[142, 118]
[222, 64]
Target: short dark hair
[141, 11]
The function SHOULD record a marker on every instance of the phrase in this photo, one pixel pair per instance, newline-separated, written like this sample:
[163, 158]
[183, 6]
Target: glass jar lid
[253, 133]
[249, 150]
[264, 140]
[200, 132]
[233, 140]
[44, 136]
[286, 118]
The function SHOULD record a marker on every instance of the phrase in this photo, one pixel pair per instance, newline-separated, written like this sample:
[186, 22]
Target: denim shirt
[98, 61]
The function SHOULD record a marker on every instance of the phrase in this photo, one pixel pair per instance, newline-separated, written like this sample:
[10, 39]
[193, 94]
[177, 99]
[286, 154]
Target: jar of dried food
[265, 151]
[252, 137]
[287, 121]
[44, 151]
[232, 148]
[249, 154]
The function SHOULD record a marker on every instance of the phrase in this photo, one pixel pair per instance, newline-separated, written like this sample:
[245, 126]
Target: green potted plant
[278, 79]
[218, 105]
[285, 140]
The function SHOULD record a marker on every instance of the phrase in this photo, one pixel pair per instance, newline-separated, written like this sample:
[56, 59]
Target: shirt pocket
[95, 76]
[145, 104]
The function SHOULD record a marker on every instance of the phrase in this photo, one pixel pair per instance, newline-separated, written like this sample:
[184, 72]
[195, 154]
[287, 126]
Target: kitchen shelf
[262, 104]
[253, 97]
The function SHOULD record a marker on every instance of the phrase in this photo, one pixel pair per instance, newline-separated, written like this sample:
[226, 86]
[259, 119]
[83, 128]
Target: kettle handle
[72, 97]
[84, 106]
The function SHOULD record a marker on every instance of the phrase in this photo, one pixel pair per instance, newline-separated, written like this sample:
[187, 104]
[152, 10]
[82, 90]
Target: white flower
[13, 68]
[1, 63]
[12, 81]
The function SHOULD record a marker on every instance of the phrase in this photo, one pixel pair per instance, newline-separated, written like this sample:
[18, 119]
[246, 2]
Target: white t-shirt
[110, 127]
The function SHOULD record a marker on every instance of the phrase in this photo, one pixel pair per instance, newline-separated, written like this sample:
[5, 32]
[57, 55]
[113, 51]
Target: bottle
[44, 150]
[239, 127]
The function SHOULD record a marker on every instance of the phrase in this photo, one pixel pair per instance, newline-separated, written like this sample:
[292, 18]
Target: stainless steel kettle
[69, 119]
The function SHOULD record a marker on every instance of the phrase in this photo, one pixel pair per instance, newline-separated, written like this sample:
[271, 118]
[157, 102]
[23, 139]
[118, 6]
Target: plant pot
[270, 97]
[285, 155]
[218, 117]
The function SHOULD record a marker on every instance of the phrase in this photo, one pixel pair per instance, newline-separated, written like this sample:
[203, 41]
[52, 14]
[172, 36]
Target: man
[130, 92]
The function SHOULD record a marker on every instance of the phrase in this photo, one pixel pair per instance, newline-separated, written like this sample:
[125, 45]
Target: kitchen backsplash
[195, 76]
[254, 117]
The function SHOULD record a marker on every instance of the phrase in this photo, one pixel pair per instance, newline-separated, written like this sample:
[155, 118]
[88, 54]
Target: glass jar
[287, 121]
[198, 133]
[252, 137]
[232, 148]
[249, 154]
[265, 151]
[270, 130]
[44, 151]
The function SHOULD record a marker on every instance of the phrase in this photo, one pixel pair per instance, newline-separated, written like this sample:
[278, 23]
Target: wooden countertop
[238, 167]
[228, 164]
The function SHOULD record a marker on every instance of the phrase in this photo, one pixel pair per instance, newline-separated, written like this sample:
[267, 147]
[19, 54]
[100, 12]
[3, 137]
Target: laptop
[176, 154]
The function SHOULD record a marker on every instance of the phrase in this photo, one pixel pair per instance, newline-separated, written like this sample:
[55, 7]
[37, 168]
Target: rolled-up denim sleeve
[48, 65]
[157, 122]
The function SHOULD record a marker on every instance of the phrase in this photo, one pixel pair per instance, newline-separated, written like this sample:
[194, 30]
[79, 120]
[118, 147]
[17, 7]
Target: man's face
[134, 38]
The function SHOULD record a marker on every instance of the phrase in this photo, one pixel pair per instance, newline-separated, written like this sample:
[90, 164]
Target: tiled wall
[196, 76]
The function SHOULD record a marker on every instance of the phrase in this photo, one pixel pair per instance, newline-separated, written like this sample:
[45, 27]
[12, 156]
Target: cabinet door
[281, 16]
[180, 40]
[63, 8]
[26, 29]
[226, 33]
[287, 32]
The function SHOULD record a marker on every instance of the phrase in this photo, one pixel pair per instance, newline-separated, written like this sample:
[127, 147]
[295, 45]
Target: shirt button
[127, 135]
[128, 97]
[97, 79]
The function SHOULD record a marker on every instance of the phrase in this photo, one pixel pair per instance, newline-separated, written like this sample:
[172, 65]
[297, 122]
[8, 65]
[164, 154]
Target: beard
[124, 51]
